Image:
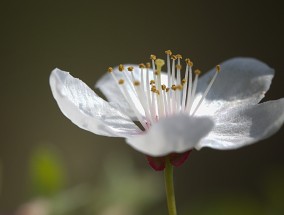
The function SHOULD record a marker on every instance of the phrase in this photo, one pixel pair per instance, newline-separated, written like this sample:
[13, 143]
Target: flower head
[178, 110]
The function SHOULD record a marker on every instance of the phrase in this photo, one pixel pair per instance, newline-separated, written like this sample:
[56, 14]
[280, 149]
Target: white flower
[191, 113]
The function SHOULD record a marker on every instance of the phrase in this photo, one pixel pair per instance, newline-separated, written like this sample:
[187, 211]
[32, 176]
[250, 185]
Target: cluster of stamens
[158, 99]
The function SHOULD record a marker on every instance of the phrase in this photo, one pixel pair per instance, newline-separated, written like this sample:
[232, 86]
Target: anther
[173, 57]
[130, 69]
[178, 66]
[142, 65]
[136, 83]
[159, 63]
[153, 89]
[152, 82]
[120, 67]
[168, 52]
[153, 57]
[121, 81]
[164, 87]
[148, 65]
[179, 56]
[218, 68]
[157, 72]
[197, 72]
[174, 87]
[179, 87]
[167, 89]
[110, 69]
[183, 81]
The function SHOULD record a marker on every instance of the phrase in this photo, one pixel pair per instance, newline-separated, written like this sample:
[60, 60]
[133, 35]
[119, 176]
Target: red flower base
[176, 159]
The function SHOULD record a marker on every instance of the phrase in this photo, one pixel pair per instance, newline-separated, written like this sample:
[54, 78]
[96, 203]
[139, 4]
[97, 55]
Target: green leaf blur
[46, 171]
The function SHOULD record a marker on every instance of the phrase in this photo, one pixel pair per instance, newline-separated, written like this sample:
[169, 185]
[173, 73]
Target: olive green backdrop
[85, 37]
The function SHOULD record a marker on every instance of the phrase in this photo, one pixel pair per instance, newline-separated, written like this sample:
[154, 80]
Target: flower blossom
[177, 110]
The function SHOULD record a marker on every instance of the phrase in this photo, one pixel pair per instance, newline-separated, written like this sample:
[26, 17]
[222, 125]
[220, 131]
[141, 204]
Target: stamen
[169, 53]
[110, 69]
[197, 73]
[218, 69]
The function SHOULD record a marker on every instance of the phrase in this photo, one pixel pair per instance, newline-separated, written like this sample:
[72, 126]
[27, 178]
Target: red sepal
[176, 159]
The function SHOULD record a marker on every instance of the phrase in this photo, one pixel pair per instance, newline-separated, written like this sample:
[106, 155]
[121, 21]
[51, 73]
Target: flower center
[161, 95]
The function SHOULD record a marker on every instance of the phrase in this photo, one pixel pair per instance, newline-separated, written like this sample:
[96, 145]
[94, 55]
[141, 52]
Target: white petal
[111, 91]
[245, 125]
[177, 133]
[241, 81]
[87, 110]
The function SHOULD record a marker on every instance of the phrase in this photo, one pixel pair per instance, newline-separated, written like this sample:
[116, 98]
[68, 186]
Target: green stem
[169, 182]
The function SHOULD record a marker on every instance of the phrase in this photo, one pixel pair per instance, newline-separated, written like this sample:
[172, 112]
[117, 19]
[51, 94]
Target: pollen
[121, 81]
[178, 66]
[179, 87]
[173, 57]
[130, 69]
[189, 62]
[179, 56]
[120, 67]
[159, 63]
[153, 57]
[197, 72]
[168, 52]
[218, 68]
[110, 69]
[136, 83]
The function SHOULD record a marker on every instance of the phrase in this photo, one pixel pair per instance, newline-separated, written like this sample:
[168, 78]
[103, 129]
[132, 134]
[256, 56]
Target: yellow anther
[173, 57]
[110, 69]
[158, 92]
[157, 72]
[153, 89]
[142, 65]
[167, 89]
[188, 62]
[179, 87]
[121, 81]
[152, 82]
[159, 63]
[197, 72]
[153, 57]
[179, 56]
[120, 67]
[174, 87]
[218, 68]
[164, 87]
[148, 65]
[178, 66]
[168, 52]
[130, 69]
[136, 83]
[183, 81]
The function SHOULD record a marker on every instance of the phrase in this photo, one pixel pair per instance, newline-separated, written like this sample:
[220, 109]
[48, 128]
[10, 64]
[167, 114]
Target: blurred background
[49, 166]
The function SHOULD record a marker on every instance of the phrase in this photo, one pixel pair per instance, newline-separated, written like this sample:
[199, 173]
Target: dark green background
[85, 37]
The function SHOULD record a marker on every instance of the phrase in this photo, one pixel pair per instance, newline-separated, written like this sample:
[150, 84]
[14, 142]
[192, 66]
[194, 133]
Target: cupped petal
[113, 93]
[178, 133]
[86, 109]
[245, 125]
[241, 81]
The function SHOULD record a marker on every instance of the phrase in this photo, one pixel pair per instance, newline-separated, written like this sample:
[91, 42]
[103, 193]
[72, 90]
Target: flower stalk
[170, 192]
